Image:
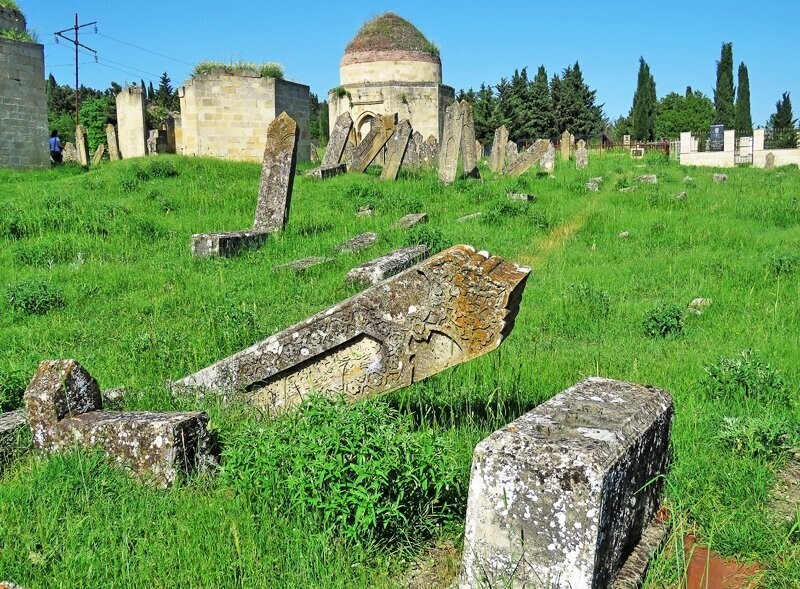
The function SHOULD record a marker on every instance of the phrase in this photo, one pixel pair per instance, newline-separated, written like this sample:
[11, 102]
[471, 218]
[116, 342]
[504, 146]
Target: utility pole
[77, 44]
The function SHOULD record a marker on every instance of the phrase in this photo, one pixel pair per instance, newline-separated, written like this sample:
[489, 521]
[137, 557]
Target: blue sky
[479, 42]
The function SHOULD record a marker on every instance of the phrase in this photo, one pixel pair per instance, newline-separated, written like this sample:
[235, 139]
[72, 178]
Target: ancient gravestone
[521, 196]
[528, 158]
[497, 159]
[227, 244]
[581, 155]
[647, 179]
[719, 178]
[338, 140]
[593, 186]
[626, 141]
[70, 152]
[82, 145]
[113, 144]
[478, 150]
[411, 160]
[303, 264]
[565, 145]
[512, 152]
[325, 172]
[98, 154]
[64, 410]
[769, 161]
[629, 188]
[408, 221]
[396, 150]
[313, 155]
[349, 151]
[152, 142]
[358, 243]
[468, 217]
[548, 161]
[430, 153]
[451, 308]
[374, 271]
[380, 132]
[277, 175]
[562, 496]
[468, 156]
[451, 143]
[12, 426]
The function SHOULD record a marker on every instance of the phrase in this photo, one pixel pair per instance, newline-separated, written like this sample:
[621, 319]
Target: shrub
[34, 296]
[128, 183]
[161, 168]
[765, 437]
[663, 320]
[12, 387]
[360, 470]
[594, 302]
[744, 377]
[364, 194]
[265, 70]
[426, 235]
[783, 264]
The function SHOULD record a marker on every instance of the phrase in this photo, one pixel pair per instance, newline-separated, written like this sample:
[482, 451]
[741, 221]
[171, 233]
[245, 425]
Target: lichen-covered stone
[521, 196]
[396, 149]
[566, 142]
[303, 264]
[374, 271]
[381, 130]
[113, 143]
[548, 161]
[410, 220]
[581, 155]
[358, 243]
[647, 179]
[324, 172]
[561, 496]
[497, 159]
[411, 159]
[451, 144]
[525, 160]
[720, 178]
[429, 152]
[469, 160]
[82, 145]
[277, 175]
[338, 140]
[512, 152]
[205, 245]
[12, 426]
[455, 306]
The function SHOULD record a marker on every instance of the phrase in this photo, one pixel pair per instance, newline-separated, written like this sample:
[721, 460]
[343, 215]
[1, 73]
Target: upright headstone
[430, 152]
[152, 142]
[411, 160]
[528, 158]
[131, 129]
[626, 141]
[98, 154]
[313, 155]
[548, 161]
[396, 149]
[769, 161]
[497, 159]
[581, 155]
[478, 150]
[338, 140]
[82, 145]
[468, 156]
[380, 132]
[70, 152]
[113, 146]
[277, 175]
[565, 145]
[512, 153]
[451, 144]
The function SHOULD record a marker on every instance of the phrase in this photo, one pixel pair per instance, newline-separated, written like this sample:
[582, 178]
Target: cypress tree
[725, 112]
[782, 123]
[643, 112]
[744, 122]
[542, 123]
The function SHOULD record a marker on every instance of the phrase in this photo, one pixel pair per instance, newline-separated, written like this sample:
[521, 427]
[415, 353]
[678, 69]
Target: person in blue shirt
[55, 147]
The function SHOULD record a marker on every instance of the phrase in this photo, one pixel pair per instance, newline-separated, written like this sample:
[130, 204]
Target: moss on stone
[390, 32]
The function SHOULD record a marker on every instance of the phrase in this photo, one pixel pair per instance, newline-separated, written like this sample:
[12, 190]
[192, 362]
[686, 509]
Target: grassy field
[96, 266]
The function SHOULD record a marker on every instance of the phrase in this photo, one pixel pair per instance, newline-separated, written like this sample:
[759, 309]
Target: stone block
[324, 172]
[358, 243]
[232, 243]
[562, 496]
[410, 220]
[12, 427]
[304, 264]
[374, 271]
[277, 175]
[338, 140]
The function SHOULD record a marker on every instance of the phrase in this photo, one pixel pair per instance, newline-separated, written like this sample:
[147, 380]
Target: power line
[146, 50]
[76, 29]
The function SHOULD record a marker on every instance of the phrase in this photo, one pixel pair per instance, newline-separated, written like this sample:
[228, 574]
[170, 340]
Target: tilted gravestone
[82, 145]
[113, 143]
[548, 161]
[277, 175]
[497, 159]
[455, 306]
[528, 158]
[410, 220]
[374, 271]
[581, 155]
[338, 140]
[429, 154]
[366, 151]
[565, 145]
[512, 153]
[358, 243]
[411, 160]
[64, 410]
[562, 496]
[468, 159]
[451, 144]
[98, 154]
[396, 149]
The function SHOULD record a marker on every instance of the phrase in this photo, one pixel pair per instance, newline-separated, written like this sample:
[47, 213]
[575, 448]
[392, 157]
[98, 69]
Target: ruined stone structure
[23, 103]
[453, 307]
[374, 271]
[131, 129]
[226, 115]
[390, 67]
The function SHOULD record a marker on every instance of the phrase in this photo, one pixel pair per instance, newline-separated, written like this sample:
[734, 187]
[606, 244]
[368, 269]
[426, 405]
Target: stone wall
[23, 106]
[227, 116]
[132, 133]
[690, 156]
[391, 66]
[782, 157]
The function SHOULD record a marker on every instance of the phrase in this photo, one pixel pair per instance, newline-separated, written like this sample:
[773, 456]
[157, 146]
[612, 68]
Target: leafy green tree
[643, 113]
[319, 120]
[675, 113]
[93, 115]
[542, 122]
[744, 122]
[725, 113]
[782, 123]
[165, 95]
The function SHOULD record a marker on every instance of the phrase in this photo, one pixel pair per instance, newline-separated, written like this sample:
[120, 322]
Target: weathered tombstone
[521, 196]
[338, 140]
[581, 155]
[468, 217]
[98, 154]
[277, 175]
[303, 264]
[468, 156]
[565, 145]
[548, 161]
[562, 496]
[358, 243]
[572, 140]
[593, 186]
[411, 159]
[430, 152]
[478, 150]
[349, 151]
[313, 155]
[12, 426]
[626, 141]
[325, 172]
[647, 179]
[629, 188]
[381, 268]
[64, 409]
[497, 159]
[451, 144]
[380, 132]
[70, 152]
[227, 244]
[82, 145]
[410, 220]
[720, 178]
[769, 161]
[152, 142]
[451, 308]
[113, 144]
[528, 158]
[396, 149]
[512, 152]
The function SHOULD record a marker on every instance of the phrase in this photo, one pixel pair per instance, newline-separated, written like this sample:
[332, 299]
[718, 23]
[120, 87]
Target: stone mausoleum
[390, 67]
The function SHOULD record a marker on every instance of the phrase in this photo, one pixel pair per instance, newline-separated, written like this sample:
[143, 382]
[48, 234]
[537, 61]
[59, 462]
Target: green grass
[136, 309]
[265, 70]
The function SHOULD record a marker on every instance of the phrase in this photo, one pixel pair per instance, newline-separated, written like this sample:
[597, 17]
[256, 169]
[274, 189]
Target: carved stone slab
[581, 155]
[338, 140]
[411, 160]
[358, 243]
[769, 161]
[82, 145]
[512, 152]
[497, 159]
[70, 152]
[566, 141]
[313, 155]
[478, 150]
[528, 158]
[451, 144]
[325, 172]
[277, 175]
[548, 161]
[113, 143]
[396, 149]
[429, 154]
[468, 156]
[381, 268]
[561, 496]
[12, 425]
[206, 245]
[64, 409]
[98, 154]
[410, 220]
[380, 132]
[455, 306]
[304, 264]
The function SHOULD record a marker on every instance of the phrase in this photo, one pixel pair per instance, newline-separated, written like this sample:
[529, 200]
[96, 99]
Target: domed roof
[390, 36]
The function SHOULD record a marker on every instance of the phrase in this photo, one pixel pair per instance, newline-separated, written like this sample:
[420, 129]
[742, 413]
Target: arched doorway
[364, 125]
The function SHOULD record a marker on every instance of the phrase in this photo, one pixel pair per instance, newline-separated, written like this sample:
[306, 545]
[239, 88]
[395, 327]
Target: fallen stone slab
[521, 196]
[325, 172]
[698, 305]
[374, 271]
[563, 495]
[64, 408]
[358, 243]
[525, 160]
[647, 179]
[381, 130]
[719, 178]
[629, 188]
[468, 217]
[681, 195]
[12, 428]
[592, 186]
[448, 309]
[232, 243]
[303, 264]
[410, 220]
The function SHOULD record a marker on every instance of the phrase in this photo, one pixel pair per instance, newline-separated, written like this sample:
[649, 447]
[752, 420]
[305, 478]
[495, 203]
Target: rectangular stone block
[374, 271]
[324, 172]
[205, 245]
[358, 243]
[562, 496]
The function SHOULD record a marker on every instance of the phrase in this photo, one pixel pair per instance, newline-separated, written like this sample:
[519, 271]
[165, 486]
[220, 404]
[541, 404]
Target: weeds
[34, 296]
[663, 320]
